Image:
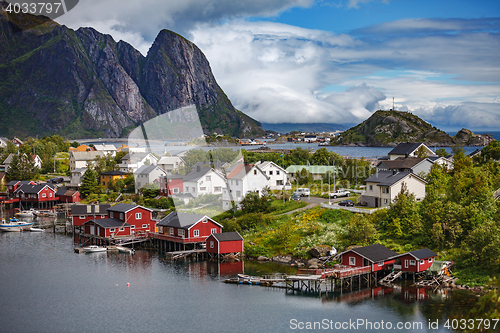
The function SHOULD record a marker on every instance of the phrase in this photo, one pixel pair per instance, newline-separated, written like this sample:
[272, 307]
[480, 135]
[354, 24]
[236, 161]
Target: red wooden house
[227, 242]
[171, 184]
[68, 196]
[83, 213]
[187, 228]
[122, 220]
[414, 261]
[36, 195]
[375, 256]
[13, 185]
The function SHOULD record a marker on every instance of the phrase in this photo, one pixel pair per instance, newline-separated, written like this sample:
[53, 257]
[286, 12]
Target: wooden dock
[175, 255]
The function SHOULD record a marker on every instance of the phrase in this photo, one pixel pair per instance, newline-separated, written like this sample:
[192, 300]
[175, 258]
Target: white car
[303, 192]
[340, 193]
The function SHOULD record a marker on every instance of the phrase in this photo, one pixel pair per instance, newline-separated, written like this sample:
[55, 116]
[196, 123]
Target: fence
[352, 209]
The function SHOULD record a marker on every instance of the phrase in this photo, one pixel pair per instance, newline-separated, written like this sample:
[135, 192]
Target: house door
[376, 202]
[91, 229]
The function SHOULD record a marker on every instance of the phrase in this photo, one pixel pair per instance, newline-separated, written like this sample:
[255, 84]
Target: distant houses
[242, 179]
[82, 159]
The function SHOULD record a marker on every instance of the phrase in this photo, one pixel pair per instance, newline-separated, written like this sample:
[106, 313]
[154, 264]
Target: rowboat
[27, 213]
[36, 229]
[125, 249]
[95, 249]
[242, 278]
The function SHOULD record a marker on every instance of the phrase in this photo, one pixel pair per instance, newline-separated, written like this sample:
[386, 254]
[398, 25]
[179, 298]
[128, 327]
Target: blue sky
[331, 61]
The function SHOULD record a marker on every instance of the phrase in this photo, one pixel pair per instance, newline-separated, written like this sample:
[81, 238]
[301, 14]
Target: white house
[37, 162]
[170, 163]
[408, 149]
[3, 141]
[76, 177]
[203, 180]
[447, 163]
[242, 179]
[417, 165]
[382, 187]
[276, 174]
[106, 149]
[81, 159]
[148, 174]
[133, 161]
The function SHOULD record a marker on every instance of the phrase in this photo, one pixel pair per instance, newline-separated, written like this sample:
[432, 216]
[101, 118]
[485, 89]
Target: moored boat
[14, 225]
[125, 249]
[242, 278]
[27, 213]
[36, 229]
[94, 249]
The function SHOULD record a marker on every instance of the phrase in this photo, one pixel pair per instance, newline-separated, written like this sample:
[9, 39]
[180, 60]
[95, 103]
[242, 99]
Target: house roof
[85, 155]
[63, 192]
[265, 164]
[32, 189]
[389, 178]
[228, 236]
[136, 157]
[109, 223]
[13, 182]
[196, 174]
[113, 173]
[239, 171]
[94, 209]
[405, 148]
[79, 170]
[182, 220]
[147, 169]
[123, 207]
[422, 254]
[8, 160]
[374, 253]
[170, 160]
[401, 163]
[315, 169]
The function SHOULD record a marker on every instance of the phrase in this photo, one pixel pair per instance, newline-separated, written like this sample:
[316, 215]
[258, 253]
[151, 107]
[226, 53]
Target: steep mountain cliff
[54, 80]
[389, 128]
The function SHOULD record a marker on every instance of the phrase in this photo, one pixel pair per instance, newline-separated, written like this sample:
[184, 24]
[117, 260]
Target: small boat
[27, 213]
[14, 225]
[36, 229]
[95, 249]
[242, 278]
[125, 249]
[46, 213]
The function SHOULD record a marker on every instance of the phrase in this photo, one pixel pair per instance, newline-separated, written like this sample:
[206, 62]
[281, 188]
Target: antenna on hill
[393, 104]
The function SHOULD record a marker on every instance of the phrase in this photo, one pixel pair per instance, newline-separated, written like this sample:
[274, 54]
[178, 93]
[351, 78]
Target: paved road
[312, 202]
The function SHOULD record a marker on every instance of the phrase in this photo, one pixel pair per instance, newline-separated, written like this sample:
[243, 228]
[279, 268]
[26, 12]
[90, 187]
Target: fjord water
[46, 287]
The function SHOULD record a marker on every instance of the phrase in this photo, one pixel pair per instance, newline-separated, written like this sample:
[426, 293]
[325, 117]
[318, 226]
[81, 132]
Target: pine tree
[90, 182]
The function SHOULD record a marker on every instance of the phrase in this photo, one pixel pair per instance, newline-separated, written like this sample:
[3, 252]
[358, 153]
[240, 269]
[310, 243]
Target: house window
[111, 214]
[187, 188]
[103, 216]
[385, 201]
[279, 182]
[132, 227]
[160, 229]
[203, 188]
[413, 262]
[176, 190]
[238, 193]
[352, 261]
[255, 172]
[208, 178]
[430, 259]
[44, 195]
[121, 216]
[213, 230]
[204, 220]
[277, 172]
[371, 187]
[50, 195]
[181, 232]
[236, 182]
[82, 217]
[217, 189]
[380, 264]
[422, 262]
[138, 216]
[211, 244]
[122, 229]
[144, 225]
[194, 189]
[171, 230]
[270, 173]
[196, 233]
[112, 229]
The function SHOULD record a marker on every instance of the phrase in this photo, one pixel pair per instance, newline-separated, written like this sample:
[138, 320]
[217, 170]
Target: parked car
[56, 180]
[348, 203]
[295, 197]
[303, 192]
[340, 193]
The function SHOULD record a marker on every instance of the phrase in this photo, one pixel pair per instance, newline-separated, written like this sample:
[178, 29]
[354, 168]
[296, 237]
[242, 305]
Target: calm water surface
[46, 287]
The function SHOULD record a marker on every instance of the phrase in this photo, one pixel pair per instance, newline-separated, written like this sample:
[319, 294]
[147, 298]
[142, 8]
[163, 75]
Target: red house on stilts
[223, 243]
[377, 257]
[415, 261]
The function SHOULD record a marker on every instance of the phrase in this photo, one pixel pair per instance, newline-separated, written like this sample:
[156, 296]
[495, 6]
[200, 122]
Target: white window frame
[213, 230]
[422, 262]
[144, 225]
[138, 216]
[352, 261]
[406, 263]
[111, 214]
[204, 220]
[122, 229]
[171, 231]
[208, 178]
[180, 232]
[132, 227]
[196, 233]
[103, 216]
[44, 195]
[112, 229]
[380, 264]
[82, 217]
[176, 190]
[413, 263]
[211, 244]
[430, 259]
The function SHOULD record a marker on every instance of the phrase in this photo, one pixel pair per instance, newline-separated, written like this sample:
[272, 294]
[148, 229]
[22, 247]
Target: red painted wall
[223, 247]
[130, 218]
[205, 229]
[418, 267]
[77, 221]
[359, 259]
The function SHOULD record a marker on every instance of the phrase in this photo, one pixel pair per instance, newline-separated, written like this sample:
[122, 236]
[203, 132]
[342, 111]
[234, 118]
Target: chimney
[198, 168]
[262, 160]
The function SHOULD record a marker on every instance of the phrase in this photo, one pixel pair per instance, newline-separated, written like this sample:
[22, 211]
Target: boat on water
[14, 225]
[125, 249]
[27, 213]
[242, 278]
[46, 213]
[95, 249]
[33, 229]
